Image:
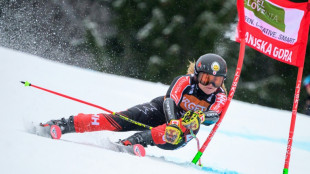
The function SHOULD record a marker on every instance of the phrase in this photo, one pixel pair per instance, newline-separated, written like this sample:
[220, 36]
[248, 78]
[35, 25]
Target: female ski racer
[192, 99]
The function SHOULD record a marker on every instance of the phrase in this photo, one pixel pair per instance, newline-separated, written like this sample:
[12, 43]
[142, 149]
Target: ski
[44, 130]
[54, 132]
[136, 149]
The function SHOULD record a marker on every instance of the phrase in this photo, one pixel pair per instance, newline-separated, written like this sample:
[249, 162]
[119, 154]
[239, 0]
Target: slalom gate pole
[294, 113]
[90, 104]
[293, 120]
[230, 96]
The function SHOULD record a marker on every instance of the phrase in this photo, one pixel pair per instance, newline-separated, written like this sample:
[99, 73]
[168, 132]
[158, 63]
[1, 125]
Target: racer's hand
[191, 120]
[173, 133]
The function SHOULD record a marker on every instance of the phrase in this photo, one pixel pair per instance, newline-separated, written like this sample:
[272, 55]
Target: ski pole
[198, 145]
[90, 104]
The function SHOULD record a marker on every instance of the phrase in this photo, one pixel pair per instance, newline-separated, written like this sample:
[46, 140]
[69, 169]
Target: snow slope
[251, 140]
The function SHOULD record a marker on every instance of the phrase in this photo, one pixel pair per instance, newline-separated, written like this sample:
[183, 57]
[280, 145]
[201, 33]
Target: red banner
[276, 28]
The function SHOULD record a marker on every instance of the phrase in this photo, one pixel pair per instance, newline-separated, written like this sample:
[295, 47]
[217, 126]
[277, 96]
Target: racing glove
[173, 133]
[191, 119]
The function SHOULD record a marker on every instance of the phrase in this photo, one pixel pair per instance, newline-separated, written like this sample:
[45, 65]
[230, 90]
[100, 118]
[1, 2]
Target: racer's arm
[170, 109]
[174, 129]
[174, 96]
[213, 114]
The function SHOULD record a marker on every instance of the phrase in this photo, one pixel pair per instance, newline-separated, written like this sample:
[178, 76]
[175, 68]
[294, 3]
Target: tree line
[152, 40]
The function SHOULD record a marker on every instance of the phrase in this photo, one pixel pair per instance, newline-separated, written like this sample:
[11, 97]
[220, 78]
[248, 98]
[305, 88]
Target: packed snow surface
[251, 139]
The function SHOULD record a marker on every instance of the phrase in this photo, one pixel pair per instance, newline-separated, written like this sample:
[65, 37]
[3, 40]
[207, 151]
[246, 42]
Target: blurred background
[153, 40]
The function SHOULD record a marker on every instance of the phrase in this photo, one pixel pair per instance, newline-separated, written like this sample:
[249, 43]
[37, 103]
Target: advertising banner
[276, 28]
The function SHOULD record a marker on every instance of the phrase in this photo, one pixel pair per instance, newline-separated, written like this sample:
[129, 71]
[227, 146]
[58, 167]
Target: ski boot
[144, 138]
[55, 128]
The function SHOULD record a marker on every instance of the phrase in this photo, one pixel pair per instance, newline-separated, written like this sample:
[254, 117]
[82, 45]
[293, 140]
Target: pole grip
[26, 83]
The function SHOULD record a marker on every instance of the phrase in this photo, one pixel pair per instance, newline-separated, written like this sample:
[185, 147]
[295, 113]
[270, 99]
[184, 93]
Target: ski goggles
[205, 79]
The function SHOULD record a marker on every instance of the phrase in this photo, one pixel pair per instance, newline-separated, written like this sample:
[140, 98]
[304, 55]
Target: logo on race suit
[219, 102]
[210, 98]
[95, 119]
[215, 66]
[190, 102]
[145, 109]
[178, 88]
[192, 89]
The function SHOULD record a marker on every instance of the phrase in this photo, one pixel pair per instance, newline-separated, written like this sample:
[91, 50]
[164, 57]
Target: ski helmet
[212, 64]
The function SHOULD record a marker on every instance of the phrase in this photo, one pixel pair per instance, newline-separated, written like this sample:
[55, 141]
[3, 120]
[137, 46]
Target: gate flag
[276, 28]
